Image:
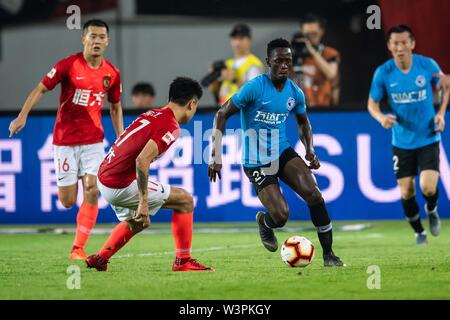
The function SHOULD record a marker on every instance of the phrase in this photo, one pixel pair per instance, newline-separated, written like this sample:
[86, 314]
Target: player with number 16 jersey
[86, 80]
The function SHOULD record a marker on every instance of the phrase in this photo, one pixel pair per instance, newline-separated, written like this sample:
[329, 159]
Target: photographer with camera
[226, 77]
[316, 66]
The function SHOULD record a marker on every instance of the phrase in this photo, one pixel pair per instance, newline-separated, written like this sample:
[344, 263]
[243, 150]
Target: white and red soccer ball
[297, 251]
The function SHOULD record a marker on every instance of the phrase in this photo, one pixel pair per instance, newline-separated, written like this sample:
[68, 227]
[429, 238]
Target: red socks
[182, 233]
[86, 218]
[118, 238]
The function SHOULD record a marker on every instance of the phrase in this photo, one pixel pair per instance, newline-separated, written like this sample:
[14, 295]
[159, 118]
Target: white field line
[101, 231]
[241, 246]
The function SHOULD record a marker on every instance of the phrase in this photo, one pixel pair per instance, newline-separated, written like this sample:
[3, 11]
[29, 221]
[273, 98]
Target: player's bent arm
[305, 132]
[117, 117]
[145, 157]
[33, 99]
[374, 109]
[143, 160]
[386, 120]
[220, 120]
[445, 87]
[439, 119]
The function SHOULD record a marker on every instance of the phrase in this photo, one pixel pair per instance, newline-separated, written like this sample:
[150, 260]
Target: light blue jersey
[264, 111]
[410, 96]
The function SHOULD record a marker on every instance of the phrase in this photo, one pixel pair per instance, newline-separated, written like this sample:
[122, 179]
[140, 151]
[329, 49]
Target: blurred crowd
[315, 67]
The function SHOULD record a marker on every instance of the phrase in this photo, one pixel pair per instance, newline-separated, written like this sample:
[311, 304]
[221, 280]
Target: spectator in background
[143, 95]
[316, 66]
[243, 67]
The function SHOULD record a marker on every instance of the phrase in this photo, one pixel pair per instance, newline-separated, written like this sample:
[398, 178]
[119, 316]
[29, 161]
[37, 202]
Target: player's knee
[187, 203]
[91, 190]
[281, 216]
[68, 201]
[428, 191]
[408, 193]
[314, 197]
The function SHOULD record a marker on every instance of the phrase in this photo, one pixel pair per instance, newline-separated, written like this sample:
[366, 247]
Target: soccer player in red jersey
[85, 77]
[123, 178]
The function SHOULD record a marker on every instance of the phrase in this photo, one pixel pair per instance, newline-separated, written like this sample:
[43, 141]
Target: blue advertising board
[356, 176]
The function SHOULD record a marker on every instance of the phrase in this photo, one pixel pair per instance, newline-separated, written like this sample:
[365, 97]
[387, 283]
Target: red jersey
[79, 118]
[118, 169]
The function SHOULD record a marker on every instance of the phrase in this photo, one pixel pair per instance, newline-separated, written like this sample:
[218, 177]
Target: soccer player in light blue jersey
[264, 104]
[407, 81]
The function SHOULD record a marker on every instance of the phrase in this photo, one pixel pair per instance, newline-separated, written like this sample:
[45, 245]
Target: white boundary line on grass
[241, 246]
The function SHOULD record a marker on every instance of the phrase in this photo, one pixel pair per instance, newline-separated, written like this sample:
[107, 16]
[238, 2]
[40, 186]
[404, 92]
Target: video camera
[299, 48]
[217, 67]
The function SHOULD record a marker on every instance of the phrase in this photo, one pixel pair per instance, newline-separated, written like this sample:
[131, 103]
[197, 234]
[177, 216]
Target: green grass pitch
[34, 266]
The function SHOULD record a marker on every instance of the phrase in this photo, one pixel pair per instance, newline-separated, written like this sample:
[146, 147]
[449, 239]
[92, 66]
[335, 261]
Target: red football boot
[77, 254]
[190, 265]
[97, 262]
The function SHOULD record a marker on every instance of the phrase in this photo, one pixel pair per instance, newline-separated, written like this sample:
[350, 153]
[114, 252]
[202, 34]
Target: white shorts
[72, 162]
[125, 201]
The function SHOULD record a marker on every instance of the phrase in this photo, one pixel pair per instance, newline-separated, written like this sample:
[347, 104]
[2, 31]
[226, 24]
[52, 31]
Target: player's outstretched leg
[299, 177]
[322, 222]
[268, 238]
[428, 186]
[411, 208]
[182, 204]
[276, 217]
[86, 217]
[120, 235]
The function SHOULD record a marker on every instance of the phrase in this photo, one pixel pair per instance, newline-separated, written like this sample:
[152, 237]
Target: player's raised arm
[220, 119]
[305, 133]
[147, 155]
[117, 117]
[33, 99]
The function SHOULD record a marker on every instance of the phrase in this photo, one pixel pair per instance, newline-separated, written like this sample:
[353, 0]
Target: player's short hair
[95, 23]
[183, 89]
[400, 28]
[313, 18]
[277, 43]
[143, 88]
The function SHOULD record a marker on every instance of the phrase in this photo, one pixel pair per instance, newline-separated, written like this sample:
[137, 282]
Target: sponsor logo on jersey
[290, 104]
[420, 81]
[270, 117]
[409, 97]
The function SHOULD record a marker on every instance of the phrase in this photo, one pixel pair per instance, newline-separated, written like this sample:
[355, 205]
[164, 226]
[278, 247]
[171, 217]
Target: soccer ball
[297, 251]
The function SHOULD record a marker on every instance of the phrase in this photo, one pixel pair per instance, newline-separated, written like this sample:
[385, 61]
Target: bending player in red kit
[123, 178]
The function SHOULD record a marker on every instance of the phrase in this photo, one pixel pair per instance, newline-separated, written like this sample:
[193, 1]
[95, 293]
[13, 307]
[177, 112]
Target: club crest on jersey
[290, 104]
[420, 81]
[168, 138]
[106, 82]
